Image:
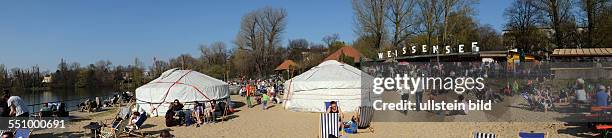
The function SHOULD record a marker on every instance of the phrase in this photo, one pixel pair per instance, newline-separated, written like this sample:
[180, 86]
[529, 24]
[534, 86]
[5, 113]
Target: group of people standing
[262, 92]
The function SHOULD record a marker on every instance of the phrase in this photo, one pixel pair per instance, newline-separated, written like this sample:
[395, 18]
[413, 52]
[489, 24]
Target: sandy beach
[278, 122]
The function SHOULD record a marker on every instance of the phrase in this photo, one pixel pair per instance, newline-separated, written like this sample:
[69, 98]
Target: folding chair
[329, 125]
[118, 124]
[22, 133]
[532, 134]
[483, 135]
[139, 123]
[220, 111]
[124, 112]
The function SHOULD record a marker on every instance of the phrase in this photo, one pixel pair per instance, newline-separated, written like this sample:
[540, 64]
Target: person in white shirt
[18, 107]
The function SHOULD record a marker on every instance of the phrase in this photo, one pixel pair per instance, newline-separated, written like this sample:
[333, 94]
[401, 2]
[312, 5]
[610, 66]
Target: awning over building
[582, 52]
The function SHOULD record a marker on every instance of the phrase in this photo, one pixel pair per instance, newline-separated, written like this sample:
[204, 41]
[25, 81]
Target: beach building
[588, 63]
[289, 66]
[348, 51]
[47, 79]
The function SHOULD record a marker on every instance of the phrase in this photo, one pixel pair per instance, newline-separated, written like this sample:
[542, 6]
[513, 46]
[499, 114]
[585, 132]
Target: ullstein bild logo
[424, 49]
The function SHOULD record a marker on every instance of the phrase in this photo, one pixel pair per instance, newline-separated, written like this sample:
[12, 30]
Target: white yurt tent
[329, 81]
[184, 85]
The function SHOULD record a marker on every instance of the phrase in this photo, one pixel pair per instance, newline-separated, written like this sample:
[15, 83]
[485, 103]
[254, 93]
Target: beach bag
[352, 129]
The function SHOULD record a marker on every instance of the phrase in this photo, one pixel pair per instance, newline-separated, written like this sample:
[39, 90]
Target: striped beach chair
[483, 135]
[329, 127]
[366, 113]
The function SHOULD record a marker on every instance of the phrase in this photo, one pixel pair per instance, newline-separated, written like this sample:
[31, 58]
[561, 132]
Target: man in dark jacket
[4, 109]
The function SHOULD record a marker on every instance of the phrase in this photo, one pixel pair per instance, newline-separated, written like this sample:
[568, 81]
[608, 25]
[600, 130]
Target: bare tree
[370, 20]
[329, 39]
[523, 19]
[596, 14]
[274, 23]
[429, 17]
[215, 53]
[296, 48]
[400, 14]
[558, 14]
[489, 38]
[463, 7]
[259, 35]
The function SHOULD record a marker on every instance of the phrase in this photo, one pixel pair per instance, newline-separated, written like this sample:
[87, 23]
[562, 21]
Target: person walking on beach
[249, 91]
[265, 99]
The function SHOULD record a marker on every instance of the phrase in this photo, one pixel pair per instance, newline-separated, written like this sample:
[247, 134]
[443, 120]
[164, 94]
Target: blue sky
[43, 32]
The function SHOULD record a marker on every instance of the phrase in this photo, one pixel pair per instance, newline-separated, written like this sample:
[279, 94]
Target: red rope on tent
[196, 88]
[168, 91]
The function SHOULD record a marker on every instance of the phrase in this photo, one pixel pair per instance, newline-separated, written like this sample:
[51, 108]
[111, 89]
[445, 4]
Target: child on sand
[249, 91]
[265, 99]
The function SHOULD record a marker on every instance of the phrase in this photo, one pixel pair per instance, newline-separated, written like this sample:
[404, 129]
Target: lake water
[72, 97]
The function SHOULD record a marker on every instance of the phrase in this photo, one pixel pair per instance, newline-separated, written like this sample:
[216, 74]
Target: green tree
[347, 59]
[83, 78]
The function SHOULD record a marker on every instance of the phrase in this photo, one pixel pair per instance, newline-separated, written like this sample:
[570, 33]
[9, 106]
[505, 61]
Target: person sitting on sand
[84, 106]
[351, 126]
[8, 134]
[166, 134]
[45, 108]
[90, 105]
[170, 121]
[133, 119]
[198, 112]
[177, 105]
[211, 111]
[61, 110]
[601, 96]
[580, 91]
